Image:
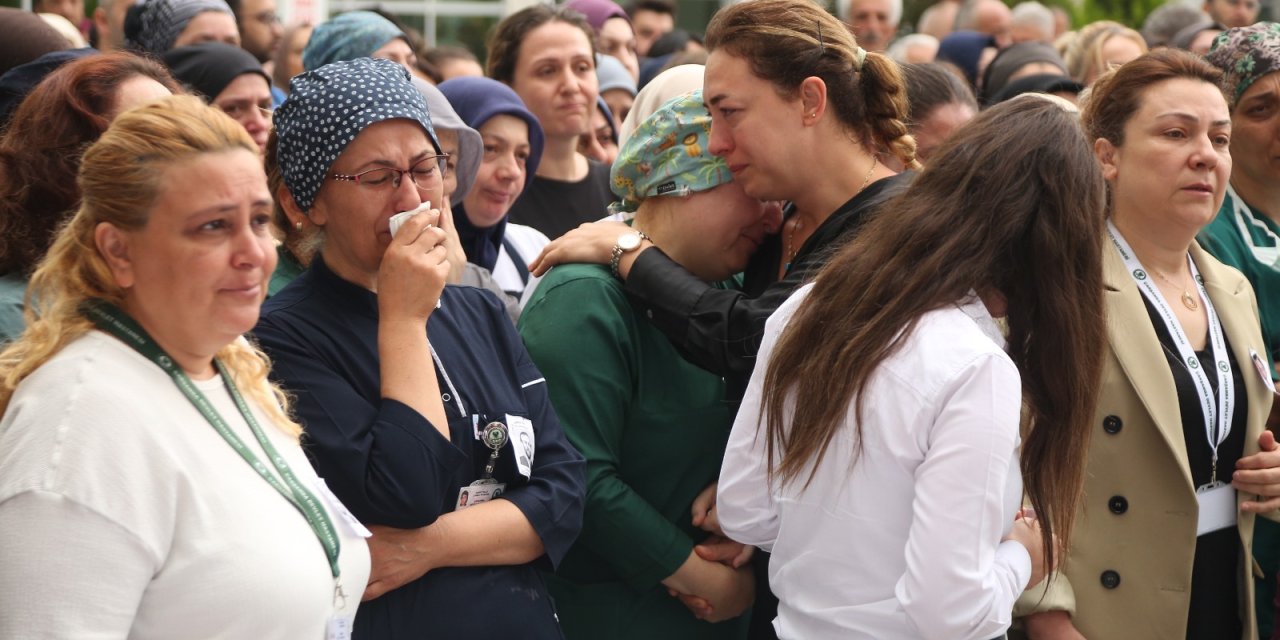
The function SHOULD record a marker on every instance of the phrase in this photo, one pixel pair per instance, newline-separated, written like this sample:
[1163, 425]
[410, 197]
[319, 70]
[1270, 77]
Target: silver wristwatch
[626, 243]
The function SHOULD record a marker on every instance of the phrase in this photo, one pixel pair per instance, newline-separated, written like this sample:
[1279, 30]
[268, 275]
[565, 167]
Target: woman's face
[247, 99]
[1173, 166]
[617, 39]
[449, 145]
[297, 42]
[399, 52]
[1255, 139]
[1116, 50]
[197, 273]
[936, 127]
[555, 76]
[753, 128]
[602, 133]
[209, 26]
[502, 171]
[356, 216]
[724, 227]
[135, 92]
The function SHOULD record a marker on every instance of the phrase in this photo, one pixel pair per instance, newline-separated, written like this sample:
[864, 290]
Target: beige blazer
[1128, 572]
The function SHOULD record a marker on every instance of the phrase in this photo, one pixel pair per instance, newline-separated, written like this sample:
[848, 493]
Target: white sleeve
[961, 582]
[745, 506]
[67, 571]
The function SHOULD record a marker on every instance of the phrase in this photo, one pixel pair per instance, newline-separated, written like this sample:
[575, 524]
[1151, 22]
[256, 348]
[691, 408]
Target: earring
[298, 225]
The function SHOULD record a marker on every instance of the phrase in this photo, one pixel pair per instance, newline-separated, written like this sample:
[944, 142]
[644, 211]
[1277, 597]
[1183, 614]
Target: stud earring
[298, 225]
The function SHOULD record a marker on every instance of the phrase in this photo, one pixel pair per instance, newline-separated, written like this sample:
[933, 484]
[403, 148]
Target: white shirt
[528, 243]
[904, 542]
[123, 513]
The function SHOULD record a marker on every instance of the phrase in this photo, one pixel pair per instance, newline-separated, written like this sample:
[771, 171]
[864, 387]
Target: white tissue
[398, 219]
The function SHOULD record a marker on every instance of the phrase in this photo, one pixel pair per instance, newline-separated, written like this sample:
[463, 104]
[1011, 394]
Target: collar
[348, 295]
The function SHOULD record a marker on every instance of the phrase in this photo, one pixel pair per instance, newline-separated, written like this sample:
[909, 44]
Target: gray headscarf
[470, 145]
[153, 26]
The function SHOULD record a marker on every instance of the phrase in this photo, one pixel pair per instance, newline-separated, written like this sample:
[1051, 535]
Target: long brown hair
[40, 151]
[786, 41]
[991, 214]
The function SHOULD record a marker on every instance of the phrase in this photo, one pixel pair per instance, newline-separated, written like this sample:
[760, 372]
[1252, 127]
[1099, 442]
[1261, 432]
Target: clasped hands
[717, 582]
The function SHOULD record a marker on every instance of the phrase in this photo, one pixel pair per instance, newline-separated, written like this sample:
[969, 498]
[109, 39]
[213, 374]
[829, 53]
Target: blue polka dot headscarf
[328, 107]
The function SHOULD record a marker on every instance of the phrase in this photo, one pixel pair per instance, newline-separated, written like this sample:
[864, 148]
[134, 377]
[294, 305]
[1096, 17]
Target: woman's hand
[725, 551]
[712, 591]
[452, 243]
[396, 558]
[704, 511]
[591, 243]
[1259, 474]
[413, 270]
[1051, 625]
[1026, 532]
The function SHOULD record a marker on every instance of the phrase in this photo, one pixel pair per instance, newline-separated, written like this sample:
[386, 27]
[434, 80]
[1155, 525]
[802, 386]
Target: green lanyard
[115, 322]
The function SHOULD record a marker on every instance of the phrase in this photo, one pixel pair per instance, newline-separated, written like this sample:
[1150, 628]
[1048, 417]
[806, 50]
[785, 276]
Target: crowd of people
[808, 324]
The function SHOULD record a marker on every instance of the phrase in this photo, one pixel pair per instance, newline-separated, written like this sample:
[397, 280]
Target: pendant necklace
[799, 223]
[1188, 300]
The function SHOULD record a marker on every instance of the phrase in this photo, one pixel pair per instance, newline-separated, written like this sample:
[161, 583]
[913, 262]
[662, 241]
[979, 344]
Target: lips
[1199, 187]
[250, 290]
[502, 197]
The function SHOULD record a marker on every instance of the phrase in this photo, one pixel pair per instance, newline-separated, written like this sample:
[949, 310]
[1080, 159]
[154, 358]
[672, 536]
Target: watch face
[629, 241]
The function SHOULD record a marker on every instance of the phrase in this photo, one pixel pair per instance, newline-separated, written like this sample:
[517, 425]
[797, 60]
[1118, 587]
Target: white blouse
[904, 541]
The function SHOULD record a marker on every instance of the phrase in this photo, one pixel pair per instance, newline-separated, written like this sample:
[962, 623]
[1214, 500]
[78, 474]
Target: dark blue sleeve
[553, 499]
[384, 460]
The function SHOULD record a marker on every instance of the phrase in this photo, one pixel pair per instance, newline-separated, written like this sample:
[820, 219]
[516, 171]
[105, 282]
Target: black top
[555, 207]
[1215, 597]
[720, 330]
[389, 465]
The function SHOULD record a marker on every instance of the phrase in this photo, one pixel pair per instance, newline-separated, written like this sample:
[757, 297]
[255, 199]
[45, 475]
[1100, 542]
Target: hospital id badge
[1217, 508]
[479, 492]
[339, 628]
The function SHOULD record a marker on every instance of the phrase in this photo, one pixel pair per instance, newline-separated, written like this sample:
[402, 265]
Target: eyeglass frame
[442, 164]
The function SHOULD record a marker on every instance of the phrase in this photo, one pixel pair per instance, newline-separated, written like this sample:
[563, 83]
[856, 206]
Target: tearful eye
[380, 176]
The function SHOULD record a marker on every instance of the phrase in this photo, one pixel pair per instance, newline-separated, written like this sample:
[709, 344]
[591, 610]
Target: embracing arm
[717, 329]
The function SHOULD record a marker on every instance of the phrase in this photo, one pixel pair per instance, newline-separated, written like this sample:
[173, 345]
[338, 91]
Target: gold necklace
[1188, 300]
[799, 223]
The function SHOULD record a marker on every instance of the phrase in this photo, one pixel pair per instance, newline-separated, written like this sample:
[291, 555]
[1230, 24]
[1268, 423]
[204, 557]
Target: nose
[249, 249]
[1204, 156]
[258, 119]
[508, 168]
[406, 195]
[719, 142]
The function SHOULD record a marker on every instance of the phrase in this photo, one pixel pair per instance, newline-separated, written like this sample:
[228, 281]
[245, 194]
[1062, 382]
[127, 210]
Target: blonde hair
[1084, 53]
[786, 41]
[120, 178]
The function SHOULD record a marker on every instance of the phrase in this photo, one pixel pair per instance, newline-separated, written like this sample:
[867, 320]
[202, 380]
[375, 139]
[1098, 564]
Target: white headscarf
[673, 82]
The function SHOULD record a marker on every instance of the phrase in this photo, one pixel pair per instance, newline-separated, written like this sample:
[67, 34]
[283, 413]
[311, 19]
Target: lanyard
[115, 322]
[1245, 222]
[1217, 419]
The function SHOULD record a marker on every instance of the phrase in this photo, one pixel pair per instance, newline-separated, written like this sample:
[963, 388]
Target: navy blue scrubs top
[390, 466]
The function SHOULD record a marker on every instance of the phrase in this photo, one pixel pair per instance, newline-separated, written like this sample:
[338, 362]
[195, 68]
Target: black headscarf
[207, 68]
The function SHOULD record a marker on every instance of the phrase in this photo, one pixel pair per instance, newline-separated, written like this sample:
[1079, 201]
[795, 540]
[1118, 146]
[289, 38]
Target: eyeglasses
[427, 173]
